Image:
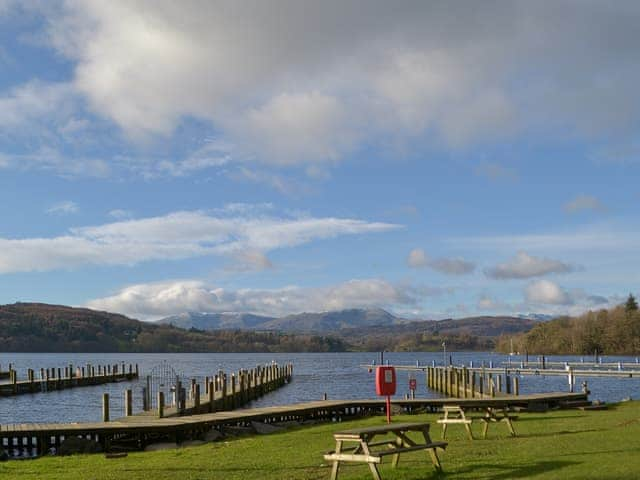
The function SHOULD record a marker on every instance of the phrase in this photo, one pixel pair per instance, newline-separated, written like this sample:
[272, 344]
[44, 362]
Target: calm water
[337, 374]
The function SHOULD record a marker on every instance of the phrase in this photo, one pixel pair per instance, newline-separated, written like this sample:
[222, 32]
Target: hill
[324, 322]
[37, 327]
[352, 322]
[607, 332]
[216, 321]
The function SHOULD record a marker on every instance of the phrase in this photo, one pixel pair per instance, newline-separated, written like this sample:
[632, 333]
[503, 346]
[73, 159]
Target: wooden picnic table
[399, 443]
[458, 414]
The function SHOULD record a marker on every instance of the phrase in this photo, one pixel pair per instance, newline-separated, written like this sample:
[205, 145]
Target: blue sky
[437, 160]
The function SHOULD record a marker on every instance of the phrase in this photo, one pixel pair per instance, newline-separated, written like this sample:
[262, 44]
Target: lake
[339, 375]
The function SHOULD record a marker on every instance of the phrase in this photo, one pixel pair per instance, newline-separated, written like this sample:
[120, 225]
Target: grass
[566, 444]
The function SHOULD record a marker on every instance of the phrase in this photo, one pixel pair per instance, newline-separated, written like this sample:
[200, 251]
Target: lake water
[339, 375]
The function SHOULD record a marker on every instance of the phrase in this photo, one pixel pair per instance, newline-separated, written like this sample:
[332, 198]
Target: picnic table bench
[457, 414]
[362, 452]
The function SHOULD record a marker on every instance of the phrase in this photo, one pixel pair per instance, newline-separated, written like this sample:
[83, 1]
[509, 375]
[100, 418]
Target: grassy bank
[560, 445]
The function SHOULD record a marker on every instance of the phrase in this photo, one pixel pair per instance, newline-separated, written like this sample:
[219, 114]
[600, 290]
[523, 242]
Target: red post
[388, 409]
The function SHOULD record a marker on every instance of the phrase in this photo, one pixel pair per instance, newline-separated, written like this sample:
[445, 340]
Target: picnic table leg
[336, 463]
[444, 424]
[372, 466]
[432, 452]
[396, 457]
[485, 427]
[507, 420]
[466, 425]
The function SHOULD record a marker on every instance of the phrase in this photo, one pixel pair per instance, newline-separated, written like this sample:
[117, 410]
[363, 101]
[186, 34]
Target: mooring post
[145, 404]
[105, 407]
[160, 404]
[212, 392]
[196, 400]
[516, 386]
[233, 391]
[473, 384]
[128, 403]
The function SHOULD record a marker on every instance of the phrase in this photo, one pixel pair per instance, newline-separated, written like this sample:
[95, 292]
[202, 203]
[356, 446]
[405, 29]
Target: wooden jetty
[67, 377]
[135, 432]
[220, 392]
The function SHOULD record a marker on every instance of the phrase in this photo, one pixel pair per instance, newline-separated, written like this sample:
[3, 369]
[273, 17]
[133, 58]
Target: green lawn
[560, 445]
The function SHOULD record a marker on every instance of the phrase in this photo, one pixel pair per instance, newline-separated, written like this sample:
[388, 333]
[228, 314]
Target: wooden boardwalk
[140, 430]
[67, 377]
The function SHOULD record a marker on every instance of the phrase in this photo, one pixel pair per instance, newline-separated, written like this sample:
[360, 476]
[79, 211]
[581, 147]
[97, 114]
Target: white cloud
[155, 300]
[297, 128]
[298, 92]
[584, 203]
[174, 236]
[452, 266]
[63, 208]
[527, 266]
[34, 101]
[547, 292]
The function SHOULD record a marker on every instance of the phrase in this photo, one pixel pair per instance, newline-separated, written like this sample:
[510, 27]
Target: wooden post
[473, 384]
[160, 404]
[465, 376]
[196, 399]
[225, 400]
[128, 403]
[212, 398]
[105, 407]
[516, 386]
[145, 400]
[233, 391]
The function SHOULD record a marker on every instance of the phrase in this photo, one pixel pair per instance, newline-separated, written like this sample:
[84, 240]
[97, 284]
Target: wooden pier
[135, 432]
[68, 377]
[221, 392]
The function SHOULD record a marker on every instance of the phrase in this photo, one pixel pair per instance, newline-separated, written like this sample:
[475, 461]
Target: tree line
[614, 331]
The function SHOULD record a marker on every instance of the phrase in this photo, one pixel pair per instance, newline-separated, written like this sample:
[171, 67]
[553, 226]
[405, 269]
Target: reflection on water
[339, 375]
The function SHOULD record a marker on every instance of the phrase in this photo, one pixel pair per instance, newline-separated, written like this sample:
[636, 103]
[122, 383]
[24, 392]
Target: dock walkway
[140, 430]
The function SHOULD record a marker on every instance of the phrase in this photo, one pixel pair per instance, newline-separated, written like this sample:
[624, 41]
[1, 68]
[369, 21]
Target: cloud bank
[308, 83]
[156, 300]
[175, 236]
[451, 266]
[527, 266]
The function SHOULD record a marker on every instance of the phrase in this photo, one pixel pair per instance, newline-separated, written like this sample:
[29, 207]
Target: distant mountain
[540, 317]
[216, 321]
[38, 327]
[332, 321]
[484, 326]
[351, 322]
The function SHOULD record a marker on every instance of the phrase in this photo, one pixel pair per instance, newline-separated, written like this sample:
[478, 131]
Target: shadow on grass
[520, 471]
[522, 418]
[561, 432]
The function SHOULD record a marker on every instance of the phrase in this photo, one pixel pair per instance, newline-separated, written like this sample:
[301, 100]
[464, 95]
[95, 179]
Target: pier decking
[139, 430]
[67, 377]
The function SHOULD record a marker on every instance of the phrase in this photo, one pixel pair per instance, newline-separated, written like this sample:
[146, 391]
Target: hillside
[473, 333]
[216, 321]
[324, 322]
[606, 332]
[36, 327]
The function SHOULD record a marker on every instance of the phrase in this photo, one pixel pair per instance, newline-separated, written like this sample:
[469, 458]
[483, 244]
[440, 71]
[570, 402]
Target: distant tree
[631, 305]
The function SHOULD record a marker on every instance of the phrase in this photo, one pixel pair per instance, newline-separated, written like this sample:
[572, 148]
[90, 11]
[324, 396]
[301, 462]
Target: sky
[434, 158]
